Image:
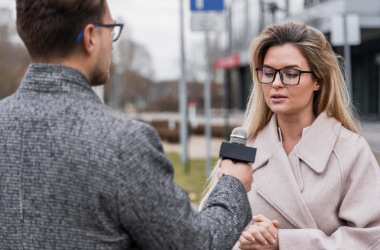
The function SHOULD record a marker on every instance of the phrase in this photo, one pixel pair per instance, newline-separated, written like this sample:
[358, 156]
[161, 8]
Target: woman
[316, 179]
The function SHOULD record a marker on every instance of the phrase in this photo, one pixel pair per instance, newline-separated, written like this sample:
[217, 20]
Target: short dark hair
[49, 28]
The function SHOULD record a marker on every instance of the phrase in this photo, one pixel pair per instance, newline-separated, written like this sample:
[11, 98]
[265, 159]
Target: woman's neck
[291, 127]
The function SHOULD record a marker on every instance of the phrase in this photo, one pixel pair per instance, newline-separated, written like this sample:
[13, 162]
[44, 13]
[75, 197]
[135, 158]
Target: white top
[303, 132]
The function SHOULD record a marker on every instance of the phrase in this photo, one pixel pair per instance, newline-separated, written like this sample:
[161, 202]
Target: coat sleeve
[156, 212]
[360, 209]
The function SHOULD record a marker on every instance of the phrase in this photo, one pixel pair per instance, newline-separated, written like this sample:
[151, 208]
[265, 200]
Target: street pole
[287, 8]
[227, 79]
[247, 26]
[262, 15]
[207, 105]
[273, 9]
[347, 57]
[183, 96]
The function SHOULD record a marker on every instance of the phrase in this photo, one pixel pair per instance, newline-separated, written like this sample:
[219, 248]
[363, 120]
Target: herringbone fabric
[77, 175]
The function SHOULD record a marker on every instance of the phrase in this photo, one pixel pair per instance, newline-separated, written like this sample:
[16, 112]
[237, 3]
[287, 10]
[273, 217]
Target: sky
[155, 24]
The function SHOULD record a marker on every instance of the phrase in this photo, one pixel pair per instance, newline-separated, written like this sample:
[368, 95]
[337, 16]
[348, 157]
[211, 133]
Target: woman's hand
[261, 235]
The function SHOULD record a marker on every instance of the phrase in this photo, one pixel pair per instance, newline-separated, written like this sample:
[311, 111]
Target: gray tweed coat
[77, 175]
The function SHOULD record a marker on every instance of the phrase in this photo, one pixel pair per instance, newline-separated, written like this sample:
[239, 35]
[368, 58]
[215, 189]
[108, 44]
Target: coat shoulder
[353, 150]
[350, 140]
[121, 126]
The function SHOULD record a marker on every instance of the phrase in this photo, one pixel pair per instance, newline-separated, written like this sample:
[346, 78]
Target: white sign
[353, 30]
[205, 21]
[200, 4]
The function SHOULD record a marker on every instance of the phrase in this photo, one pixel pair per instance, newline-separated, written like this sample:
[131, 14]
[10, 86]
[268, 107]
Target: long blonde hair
[328, 68]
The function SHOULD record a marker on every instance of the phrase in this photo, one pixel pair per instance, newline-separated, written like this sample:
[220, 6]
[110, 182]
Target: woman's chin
[280, 109]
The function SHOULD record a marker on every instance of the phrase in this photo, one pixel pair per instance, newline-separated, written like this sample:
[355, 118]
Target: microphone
[236, 150]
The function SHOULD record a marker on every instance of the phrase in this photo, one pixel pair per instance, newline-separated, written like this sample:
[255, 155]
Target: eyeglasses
[291, 77]
[116, 31]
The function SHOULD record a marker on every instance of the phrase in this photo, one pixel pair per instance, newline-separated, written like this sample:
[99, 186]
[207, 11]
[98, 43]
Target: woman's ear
[317, 87]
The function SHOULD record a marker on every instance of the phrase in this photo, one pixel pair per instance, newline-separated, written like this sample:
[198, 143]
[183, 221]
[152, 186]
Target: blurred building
[163, 96]
[249, 17]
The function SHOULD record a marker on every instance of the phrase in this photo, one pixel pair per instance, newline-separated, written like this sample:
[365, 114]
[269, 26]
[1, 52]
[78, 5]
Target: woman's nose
[277, 83]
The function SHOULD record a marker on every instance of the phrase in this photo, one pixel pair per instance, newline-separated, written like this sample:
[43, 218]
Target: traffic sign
[207, 5]
[205, 21]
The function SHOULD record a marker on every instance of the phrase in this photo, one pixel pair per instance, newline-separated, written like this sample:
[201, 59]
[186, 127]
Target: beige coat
[325, 194]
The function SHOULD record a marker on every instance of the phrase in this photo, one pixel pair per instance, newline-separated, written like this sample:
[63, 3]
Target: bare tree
[132, 56]
[137, 70]
[196, 64]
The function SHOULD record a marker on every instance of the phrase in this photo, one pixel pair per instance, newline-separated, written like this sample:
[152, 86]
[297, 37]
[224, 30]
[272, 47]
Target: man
[77, 175]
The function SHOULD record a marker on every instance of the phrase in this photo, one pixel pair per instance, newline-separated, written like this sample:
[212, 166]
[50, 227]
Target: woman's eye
[292, 75]
[269, 74]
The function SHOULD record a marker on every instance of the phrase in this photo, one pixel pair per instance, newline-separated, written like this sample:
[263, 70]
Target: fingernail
[275, 236]
[253, 239]
[273, 241]
[254, 217]
[265, 242]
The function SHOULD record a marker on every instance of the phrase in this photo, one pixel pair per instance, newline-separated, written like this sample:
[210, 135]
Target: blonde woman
[317, 183]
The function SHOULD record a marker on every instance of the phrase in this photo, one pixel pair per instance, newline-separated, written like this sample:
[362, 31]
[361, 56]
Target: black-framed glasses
[116, 31]
[267, 75]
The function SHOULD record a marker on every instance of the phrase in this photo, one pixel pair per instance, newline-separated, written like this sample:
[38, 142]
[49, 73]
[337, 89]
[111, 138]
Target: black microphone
[236, 149]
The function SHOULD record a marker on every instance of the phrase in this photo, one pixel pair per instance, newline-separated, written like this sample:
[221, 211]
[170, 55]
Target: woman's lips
[278, 98]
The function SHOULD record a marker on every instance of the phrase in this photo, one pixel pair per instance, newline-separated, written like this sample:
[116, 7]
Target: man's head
[50, 28]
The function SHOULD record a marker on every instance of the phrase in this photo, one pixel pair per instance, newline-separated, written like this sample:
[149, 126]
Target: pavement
[235, 117]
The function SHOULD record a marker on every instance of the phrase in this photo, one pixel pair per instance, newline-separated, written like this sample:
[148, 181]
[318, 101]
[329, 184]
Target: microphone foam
[239, 136]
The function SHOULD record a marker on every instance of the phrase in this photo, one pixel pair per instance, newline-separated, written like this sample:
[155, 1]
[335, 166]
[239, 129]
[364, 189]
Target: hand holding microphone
[236, 156]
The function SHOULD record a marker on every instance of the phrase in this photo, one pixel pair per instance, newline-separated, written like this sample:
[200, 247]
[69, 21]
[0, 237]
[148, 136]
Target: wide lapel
[278, 185]
[264, 143]
[317, 144]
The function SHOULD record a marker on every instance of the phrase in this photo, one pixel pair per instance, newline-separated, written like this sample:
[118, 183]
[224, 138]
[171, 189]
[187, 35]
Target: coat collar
[320, 137]
[54, 78]
[265, 142]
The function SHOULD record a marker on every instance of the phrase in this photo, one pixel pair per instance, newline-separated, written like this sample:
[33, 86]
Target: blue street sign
[207, 5]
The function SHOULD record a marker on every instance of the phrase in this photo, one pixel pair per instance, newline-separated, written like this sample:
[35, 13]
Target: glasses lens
[116, 33]
[266, 75]
[290, 76]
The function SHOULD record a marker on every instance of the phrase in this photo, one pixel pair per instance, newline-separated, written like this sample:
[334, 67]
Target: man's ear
[89, 39]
